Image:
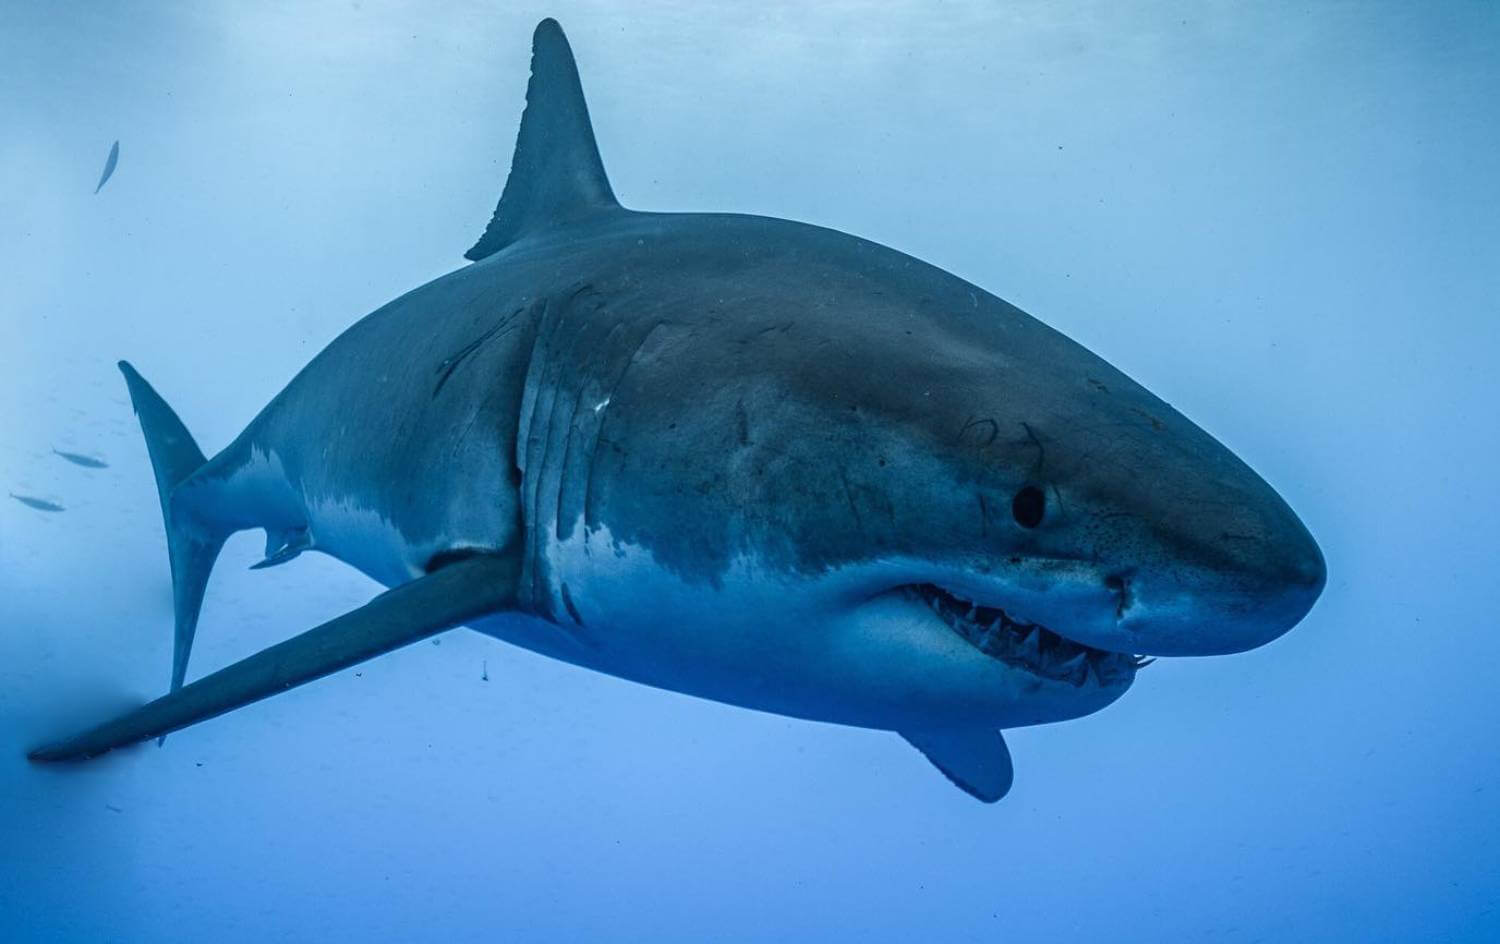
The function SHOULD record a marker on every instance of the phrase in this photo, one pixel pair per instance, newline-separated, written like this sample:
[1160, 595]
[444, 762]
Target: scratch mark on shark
[742, 423]
[849, 495]
[976, 423]
[451, 364]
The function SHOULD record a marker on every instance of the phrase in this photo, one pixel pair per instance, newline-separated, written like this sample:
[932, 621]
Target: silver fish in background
[109, 166]
[738, 457]
[40, 504]
[79, 459]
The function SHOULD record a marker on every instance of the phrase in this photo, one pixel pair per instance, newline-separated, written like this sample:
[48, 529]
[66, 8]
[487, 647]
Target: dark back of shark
[748, 459]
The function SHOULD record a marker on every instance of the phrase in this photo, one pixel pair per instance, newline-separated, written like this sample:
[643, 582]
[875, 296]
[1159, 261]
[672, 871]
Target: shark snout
[1283, 588]
[1256, 588]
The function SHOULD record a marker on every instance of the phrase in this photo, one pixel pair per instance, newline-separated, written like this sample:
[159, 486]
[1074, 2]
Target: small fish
[88, 462]
[109, 165]
[40, 504]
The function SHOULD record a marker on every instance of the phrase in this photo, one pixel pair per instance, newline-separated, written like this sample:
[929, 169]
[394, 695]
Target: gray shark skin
[743, 458]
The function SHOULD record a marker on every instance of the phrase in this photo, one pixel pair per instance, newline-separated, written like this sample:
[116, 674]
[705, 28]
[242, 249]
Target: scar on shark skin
[448, 366]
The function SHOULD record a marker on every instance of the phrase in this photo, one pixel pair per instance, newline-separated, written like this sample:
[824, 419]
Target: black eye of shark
[1024, 645]
[1029, 506]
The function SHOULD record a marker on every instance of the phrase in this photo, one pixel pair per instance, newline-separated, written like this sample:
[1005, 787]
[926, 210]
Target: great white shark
[743, 458]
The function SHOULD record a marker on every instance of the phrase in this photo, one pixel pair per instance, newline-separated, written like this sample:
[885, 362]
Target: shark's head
[1033, 478]
[930, 465]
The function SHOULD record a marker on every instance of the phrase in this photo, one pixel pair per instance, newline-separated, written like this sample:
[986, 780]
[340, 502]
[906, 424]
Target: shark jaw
[1024, 645]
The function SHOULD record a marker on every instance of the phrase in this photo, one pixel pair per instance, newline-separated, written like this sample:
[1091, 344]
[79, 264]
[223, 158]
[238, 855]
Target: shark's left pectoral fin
[455, 594]
[976, 760]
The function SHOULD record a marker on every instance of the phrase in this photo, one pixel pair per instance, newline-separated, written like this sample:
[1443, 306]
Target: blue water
[1282, 218]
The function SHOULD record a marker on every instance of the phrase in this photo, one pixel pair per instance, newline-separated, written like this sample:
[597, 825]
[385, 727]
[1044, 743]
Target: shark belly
[748, 641]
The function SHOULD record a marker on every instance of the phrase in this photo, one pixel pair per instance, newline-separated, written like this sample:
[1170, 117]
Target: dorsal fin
[556, 175]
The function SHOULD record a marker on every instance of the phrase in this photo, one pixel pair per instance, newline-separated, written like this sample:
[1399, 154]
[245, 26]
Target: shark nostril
[1312, 571]
[1120, 587]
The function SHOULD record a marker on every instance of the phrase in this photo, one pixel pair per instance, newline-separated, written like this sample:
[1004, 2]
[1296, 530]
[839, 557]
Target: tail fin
[192, 544]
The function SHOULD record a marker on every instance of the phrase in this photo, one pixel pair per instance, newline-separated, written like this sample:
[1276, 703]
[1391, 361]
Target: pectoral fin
[457, 593]
[977, 760]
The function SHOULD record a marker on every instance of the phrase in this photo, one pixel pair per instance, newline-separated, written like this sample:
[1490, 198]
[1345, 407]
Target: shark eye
[1028, 507]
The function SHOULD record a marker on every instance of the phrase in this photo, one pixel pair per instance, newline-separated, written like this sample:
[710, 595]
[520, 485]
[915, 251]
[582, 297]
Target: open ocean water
[1282, 218]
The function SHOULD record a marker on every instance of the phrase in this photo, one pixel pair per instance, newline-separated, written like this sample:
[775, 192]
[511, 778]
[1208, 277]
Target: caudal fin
[193, 544]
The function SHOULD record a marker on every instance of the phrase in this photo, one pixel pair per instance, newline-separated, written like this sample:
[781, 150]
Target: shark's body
[743, 458]
[420, 459]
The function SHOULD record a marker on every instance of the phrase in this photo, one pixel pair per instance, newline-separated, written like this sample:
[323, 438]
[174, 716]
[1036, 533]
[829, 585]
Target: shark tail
[193, 540]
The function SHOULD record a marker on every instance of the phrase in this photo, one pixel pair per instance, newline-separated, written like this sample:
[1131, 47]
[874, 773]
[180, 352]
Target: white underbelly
[754, 638]
[365, 539]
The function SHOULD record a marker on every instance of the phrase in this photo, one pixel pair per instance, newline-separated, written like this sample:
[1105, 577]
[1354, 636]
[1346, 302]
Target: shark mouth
[1028, 646]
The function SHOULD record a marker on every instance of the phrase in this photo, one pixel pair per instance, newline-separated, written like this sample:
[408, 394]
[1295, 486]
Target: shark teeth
[1029, 646]
[1074, 662]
